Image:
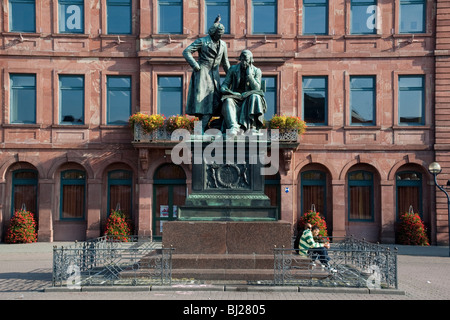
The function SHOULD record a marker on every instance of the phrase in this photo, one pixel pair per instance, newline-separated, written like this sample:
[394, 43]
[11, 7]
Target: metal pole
[448, 209]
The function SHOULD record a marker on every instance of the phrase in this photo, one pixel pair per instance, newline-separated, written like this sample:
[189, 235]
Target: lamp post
[435, 168]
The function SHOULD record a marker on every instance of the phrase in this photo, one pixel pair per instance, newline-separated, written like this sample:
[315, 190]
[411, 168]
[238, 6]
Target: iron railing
[106, 261]
[353, 263]
[140, 135]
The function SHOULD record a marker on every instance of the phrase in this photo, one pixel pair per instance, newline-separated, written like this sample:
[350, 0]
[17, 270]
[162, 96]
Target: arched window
[169, 192]
[24, 190]
[313, 191]
[360, 196]
[73, 194]
[120, 191]
[409, 192]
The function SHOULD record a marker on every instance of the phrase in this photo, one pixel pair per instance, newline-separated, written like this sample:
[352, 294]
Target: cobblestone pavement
[26, 270]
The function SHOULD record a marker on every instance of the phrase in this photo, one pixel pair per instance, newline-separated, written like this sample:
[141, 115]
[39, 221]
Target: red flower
[117, 226]
[22, 228]
[412, 231]
[315, 219]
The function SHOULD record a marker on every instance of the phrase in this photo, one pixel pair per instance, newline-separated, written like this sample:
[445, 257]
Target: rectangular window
[73, 184]
[119, 16]
[315, 17]
[315, 102]
[170, 16]
[71, 16]
[71, 99]
[264, 16]
[362, 100]
[215, 7]
[170, 99]
[271, 96]
[412, 16]
[118, 100]
[22, 15]
[411, 99]
[23, 98]
[360, 199]
[363, 17]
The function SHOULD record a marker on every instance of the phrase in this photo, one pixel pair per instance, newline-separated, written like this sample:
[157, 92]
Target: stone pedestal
[227, 229]
[227, 184]
[228, 237]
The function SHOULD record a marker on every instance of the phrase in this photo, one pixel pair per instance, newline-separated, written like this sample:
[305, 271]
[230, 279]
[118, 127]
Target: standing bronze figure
[204, 98]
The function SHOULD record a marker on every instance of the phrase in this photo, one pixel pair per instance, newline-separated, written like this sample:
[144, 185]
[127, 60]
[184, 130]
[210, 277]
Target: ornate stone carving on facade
[143, 158]
[287, 158]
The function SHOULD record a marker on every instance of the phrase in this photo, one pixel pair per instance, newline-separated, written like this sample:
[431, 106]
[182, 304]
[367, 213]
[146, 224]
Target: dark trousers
[321, 254]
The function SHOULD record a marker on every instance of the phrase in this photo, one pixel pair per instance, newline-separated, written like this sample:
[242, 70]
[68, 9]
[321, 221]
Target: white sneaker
[331, 269]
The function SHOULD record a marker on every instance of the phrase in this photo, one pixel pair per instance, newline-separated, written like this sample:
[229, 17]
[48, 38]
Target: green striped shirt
[307, 242]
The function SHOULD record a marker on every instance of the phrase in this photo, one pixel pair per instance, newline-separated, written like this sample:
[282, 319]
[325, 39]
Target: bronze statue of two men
[239, 101]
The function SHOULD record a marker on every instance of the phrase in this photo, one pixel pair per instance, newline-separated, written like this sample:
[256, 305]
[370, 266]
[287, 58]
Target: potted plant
[145, 127]
[289, 127]
[22, 228]
[180, 122]
[287, 123]
[411, 230]
[148, 123]
[118, 228]
[315, 219]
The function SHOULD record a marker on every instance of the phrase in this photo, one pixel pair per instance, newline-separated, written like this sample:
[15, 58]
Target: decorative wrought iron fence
[353, 263]
[105, 261]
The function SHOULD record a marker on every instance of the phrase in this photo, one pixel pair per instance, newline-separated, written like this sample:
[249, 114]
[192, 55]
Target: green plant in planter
[118, 228]
[149, 123]
[287, 123]
[412, 231]
[180, 122]
[22, 228]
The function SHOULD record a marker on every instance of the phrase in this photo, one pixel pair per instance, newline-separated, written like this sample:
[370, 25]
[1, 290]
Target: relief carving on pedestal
[227, 176]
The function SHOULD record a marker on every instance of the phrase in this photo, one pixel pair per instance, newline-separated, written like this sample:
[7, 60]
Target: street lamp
[435, 168]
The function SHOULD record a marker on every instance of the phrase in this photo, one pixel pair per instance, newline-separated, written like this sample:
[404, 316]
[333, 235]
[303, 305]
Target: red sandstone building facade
[374, 93]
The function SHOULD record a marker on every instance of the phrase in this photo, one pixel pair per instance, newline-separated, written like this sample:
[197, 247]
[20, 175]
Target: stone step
[233, 267]
[230, 274]
[229, 261]
[245, 267]
[243, 274]
[222, 261]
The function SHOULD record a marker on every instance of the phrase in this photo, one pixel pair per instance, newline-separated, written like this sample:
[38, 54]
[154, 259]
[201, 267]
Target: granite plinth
[226, 237]
[227, 213]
